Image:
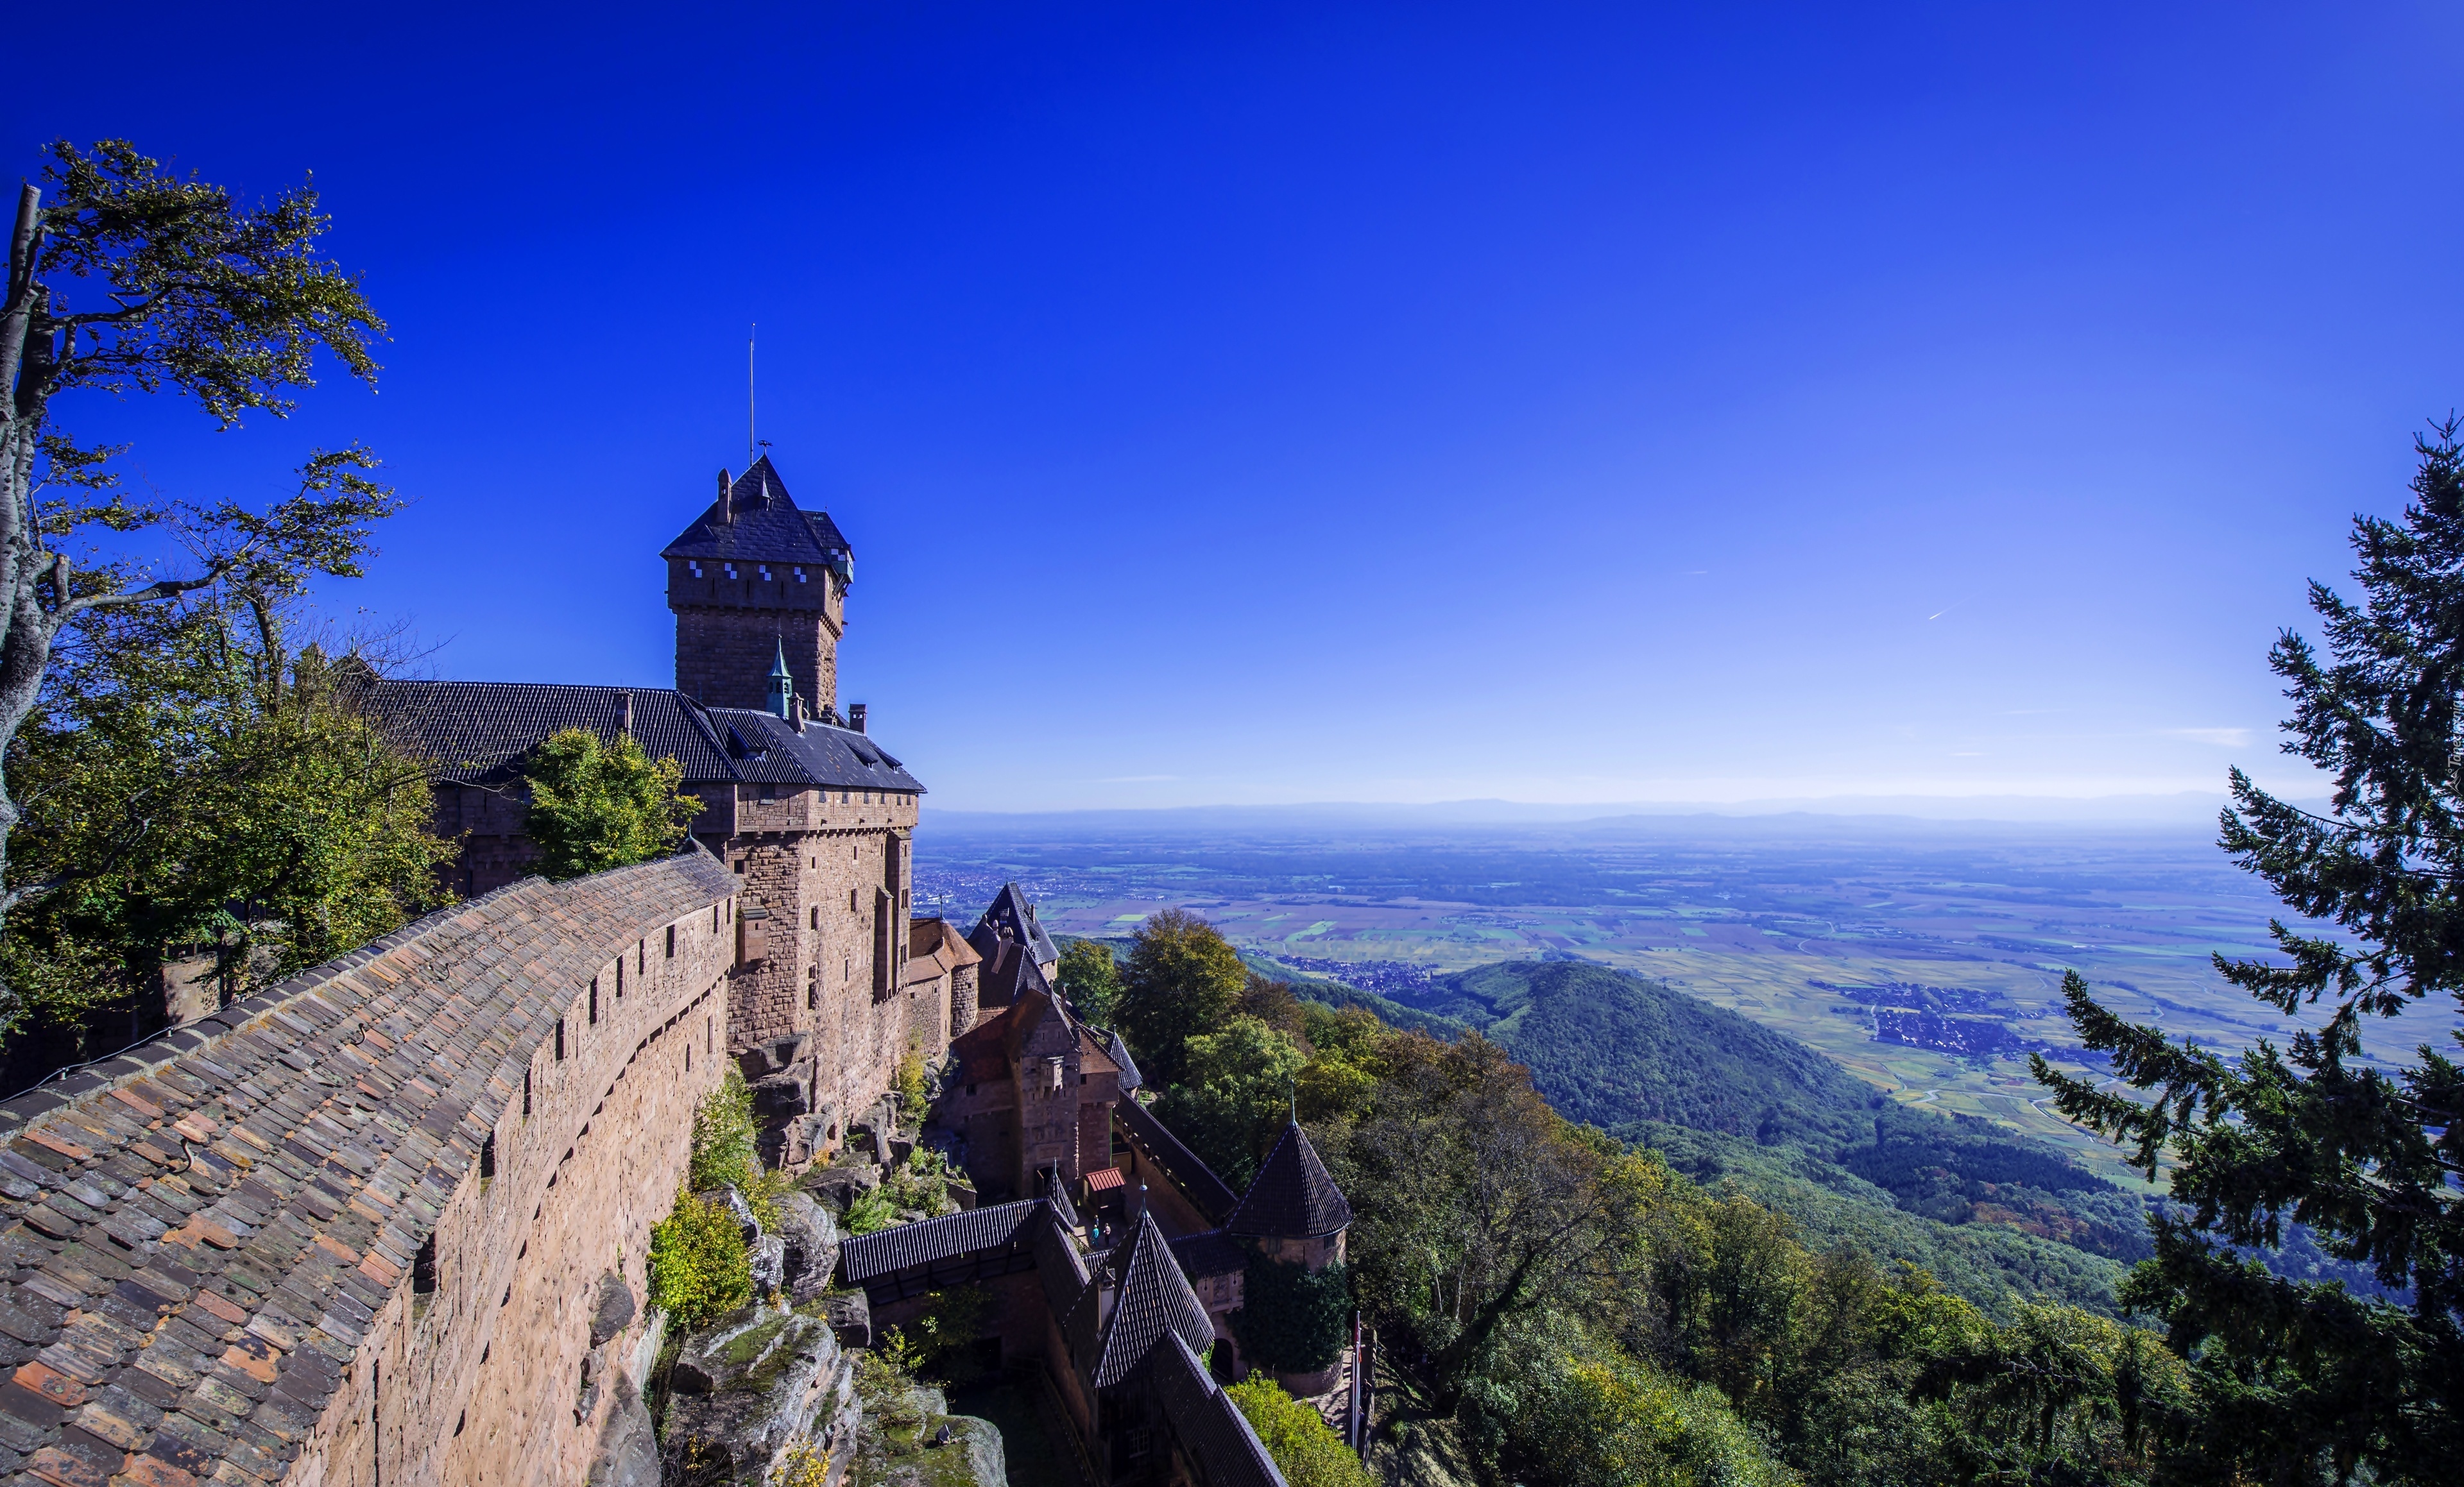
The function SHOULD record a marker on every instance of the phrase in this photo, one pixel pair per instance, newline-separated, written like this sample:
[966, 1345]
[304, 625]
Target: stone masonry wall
[830, 872]
[350, 1231]
[729, 633]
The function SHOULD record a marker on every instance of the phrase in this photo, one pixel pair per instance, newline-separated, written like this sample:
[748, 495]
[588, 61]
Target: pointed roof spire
[1155, 1299]
[1293, 1198]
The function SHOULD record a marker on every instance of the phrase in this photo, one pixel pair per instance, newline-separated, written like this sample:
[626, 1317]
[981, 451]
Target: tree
[2303, 1381]
[133, 279]
[1236, 1097]
[1183, 979]
[1488, 1206]
[193, 783]
[597, 804]
[1091, 979]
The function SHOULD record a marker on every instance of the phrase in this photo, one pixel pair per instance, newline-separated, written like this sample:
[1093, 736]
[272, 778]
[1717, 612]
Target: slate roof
[1011, 917]
[929, 1240]
[767, 527]
[196, 1232]
[1293, 1198]
[1196, 1181]
[1154, 1300]
[1214, 1434]
[1119, 1053]
[481, 733]
[763, 747]
[1058, 1198]
[1213, 1253]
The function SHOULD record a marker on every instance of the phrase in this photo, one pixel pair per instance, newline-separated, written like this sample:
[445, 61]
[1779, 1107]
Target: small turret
[782, 687]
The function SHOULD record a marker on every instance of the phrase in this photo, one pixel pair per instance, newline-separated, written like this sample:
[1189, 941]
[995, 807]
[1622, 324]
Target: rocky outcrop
[910, 1439]
[745, 1392]
[808, 1235]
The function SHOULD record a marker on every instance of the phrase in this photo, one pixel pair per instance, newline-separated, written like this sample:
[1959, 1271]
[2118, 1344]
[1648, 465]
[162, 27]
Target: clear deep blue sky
[1415, 403]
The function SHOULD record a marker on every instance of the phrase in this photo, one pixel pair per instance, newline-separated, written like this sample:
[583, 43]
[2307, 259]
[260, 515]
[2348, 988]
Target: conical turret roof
[1293, 1198]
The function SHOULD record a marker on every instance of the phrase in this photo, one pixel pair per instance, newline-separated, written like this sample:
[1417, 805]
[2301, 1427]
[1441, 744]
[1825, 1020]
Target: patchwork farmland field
[1925, 957]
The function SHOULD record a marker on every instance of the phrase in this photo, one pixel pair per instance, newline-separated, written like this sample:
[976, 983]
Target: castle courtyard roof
[1293, 1198]
[1155, 1299]
[1011, 917]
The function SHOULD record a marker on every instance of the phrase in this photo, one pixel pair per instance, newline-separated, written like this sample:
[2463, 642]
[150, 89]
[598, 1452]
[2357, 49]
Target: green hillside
[1725, 1100]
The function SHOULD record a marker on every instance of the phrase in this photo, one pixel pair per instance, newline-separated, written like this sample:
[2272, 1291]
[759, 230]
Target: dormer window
[694, 566]
[731, 569]
[765, 572]
[798, 573]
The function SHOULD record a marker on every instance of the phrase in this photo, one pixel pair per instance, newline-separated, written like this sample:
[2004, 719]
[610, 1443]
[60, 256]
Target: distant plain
[1828, 928]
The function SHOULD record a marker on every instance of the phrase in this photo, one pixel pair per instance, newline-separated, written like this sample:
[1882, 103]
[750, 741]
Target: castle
[387, 1221]
[813, 816]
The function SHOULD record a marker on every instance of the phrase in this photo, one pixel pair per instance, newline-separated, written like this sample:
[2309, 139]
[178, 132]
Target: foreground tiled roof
[1215, 1435]
[1196, 1180]
[482, 734]
[1293, 1197]
[198, 1232]
[767, 527]
[929, 1240]
[1155, 1299]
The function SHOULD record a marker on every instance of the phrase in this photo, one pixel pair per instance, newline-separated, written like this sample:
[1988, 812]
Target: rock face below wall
[901, 1445]
[747, 1391]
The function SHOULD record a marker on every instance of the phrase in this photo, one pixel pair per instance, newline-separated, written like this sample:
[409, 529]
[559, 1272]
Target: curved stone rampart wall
[354, 1230]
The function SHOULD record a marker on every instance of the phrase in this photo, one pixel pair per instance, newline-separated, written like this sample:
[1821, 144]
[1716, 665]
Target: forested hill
[1610, 1049]
[1993, 1213]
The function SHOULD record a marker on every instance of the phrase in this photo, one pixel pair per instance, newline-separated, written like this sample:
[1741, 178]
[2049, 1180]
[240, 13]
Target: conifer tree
[2306, 1382]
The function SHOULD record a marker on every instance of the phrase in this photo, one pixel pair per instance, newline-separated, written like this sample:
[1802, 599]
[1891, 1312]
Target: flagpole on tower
[751, 443]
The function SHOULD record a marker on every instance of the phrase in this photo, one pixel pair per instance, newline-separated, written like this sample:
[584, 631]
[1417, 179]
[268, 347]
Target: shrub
[723, 1150]
[699, 1269]
[871, 1214]
[1305, 1448]
[914, 1094]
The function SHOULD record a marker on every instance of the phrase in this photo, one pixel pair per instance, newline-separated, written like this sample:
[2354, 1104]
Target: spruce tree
[2307, 1382]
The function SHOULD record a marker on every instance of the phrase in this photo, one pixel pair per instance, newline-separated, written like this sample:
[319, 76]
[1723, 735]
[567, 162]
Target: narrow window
[689, 1058]
[619, 976]
[850, 901]
[812, 999]
[488, 1156]
[816, 916]
[560, 1037]
[672, 942]
[641, 956]
[526, 1092]
[422, 1268]
[594, 1001]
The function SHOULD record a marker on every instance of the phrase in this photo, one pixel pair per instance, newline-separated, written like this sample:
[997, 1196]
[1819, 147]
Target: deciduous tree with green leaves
[196, 784]
[124, 278]
[1183, 980]
[1091, 979]
[598, 803]
[2305, 1382]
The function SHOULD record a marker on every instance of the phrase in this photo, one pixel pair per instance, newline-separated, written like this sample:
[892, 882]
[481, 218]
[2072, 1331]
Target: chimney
[625, 724]
[855, 716]
[800, 714]
[726, 500]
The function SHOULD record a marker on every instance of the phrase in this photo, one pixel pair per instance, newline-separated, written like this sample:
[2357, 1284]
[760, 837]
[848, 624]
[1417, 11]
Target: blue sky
[1396, 404]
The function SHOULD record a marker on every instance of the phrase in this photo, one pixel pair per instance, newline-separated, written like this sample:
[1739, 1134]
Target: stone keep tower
[754, 578]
